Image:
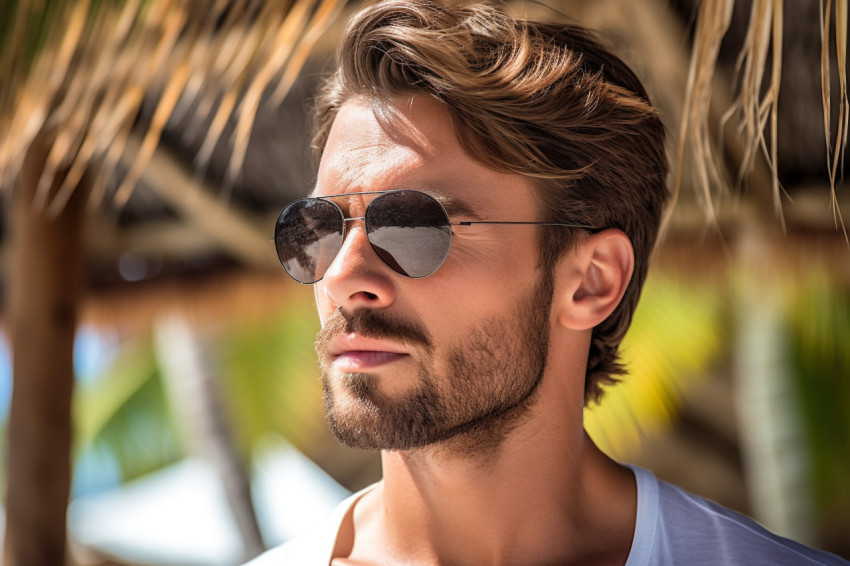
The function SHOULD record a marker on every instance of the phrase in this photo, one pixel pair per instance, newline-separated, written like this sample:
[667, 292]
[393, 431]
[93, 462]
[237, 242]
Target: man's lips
[351, 352]
[359, 360]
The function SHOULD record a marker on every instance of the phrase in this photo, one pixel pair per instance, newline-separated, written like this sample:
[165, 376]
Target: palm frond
[268, 379]
[125, 414]
[271, 378]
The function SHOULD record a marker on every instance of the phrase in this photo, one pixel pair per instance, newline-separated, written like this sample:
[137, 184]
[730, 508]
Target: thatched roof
[160, 235]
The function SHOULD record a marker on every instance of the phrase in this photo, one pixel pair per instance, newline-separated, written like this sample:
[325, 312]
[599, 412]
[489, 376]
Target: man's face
[409, 362]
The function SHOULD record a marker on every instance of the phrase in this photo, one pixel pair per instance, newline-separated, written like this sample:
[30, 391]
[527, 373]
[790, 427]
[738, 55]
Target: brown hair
[541, 100]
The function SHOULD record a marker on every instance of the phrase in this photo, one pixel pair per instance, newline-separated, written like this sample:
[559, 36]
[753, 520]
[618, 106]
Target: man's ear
[591, 279]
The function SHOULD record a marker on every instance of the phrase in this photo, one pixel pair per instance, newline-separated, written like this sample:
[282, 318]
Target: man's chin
[365, 433]
[369, 421]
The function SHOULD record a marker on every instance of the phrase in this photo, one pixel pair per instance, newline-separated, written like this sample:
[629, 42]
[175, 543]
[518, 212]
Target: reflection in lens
[308, 235]
[409, 231]
[415, 252]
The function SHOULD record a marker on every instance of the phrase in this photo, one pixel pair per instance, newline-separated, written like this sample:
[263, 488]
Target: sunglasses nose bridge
[357, 276]
[347, 229]
[350, 243]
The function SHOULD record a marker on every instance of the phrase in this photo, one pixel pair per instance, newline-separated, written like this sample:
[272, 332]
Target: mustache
[370, 324]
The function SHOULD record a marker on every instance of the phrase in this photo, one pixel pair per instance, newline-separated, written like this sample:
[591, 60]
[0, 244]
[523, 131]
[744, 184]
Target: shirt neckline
[643, 539]
[646, 518]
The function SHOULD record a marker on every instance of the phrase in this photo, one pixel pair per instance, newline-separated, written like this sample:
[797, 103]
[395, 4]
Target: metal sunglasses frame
[449, 223]
[461, 223]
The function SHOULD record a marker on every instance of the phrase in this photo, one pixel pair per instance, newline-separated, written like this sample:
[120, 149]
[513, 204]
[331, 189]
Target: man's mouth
[358, 360]
[352, 352]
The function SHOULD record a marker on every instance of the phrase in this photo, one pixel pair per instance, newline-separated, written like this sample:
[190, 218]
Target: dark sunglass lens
[409, 231]
[308, 235]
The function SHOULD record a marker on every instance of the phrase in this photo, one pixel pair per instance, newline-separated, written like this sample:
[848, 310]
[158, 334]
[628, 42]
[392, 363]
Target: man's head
[544, 101]
[452, 358]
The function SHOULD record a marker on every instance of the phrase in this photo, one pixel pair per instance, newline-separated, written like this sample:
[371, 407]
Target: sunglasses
[409, 230]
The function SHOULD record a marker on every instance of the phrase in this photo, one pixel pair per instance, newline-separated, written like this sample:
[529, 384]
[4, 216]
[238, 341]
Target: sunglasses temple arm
[471, 222]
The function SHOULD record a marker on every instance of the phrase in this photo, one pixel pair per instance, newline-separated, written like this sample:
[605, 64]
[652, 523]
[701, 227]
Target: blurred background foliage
[122, 415]
[819, 346]
[269, 381]
[675, 336]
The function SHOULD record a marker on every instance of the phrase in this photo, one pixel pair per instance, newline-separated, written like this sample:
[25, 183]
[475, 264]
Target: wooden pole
[45, 282]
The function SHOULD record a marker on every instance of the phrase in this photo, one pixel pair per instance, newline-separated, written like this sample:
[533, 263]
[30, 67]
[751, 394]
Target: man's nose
[357, 277]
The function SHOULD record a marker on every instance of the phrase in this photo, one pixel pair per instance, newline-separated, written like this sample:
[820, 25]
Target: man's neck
[546, 494]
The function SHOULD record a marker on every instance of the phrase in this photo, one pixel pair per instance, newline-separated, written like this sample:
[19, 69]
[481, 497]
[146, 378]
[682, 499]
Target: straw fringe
[77, 73]
[772, 103]
[694, 133]
[835, 159]
[758, 111]
[756, 102]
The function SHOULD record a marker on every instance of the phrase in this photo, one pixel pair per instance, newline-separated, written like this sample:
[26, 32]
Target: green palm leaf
[124, 414]
[269, 382]
[271, 379]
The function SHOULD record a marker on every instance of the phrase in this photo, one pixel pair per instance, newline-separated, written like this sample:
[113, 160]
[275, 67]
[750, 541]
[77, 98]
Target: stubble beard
[493, 374]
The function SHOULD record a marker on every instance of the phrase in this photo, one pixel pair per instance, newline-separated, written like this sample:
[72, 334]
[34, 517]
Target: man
[488, 194]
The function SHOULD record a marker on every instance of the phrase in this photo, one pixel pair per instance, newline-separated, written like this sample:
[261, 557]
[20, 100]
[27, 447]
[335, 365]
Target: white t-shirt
[673, 527]
[677, 527]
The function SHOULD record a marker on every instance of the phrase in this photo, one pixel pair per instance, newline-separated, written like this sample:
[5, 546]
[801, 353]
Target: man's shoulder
[675, 526]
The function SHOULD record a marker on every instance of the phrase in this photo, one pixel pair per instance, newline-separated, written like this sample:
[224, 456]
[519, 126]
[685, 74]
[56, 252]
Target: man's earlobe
[591, 280]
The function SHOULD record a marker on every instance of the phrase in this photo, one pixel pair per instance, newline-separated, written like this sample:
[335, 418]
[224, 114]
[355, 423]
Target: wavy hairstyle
[542, 100]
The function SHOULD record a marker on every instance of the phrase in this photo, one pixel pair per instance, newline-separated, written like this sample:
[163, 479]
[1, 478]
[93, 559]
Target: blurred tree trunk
[186, 355]
[774, 445]
[45, 283]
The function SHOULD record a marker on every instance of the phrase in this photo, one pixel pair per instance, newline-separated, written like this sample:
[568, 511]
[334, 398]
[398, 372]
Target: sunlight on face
[455, 355]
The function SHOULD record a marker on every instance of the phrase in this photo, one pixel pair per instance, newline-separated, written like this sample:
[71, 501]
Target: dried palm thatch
[840, 143]
[755, 107]
[78, 72]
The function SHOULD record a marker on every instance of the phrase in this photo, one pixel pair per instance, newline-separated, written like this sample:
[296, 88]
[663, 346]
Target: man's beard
[493, 372]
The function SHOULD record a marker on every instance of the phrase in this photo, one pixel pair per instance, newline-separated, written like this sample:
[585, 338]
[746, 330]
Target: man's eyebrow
[455, 206]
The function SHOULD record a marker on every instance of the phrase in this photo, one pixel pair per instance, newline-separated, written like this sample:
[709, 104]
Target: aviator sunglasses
[409, 230]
